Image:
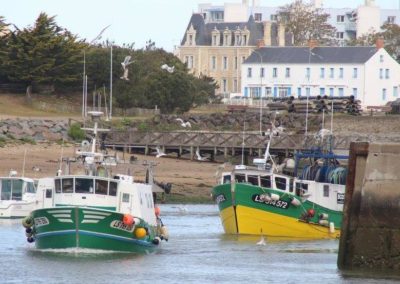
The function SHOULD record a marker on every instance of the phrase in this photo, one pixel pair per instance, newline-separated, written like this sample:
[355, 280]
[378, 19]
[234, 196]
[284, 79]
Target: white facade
[374, 82]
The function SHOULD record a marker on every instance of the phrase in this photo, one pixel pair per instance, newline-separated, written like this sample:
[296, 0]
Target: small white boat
[17, 196]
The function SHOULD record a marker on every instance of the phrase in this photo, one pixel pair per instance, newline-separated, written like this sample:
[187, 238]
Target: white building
[349, 22]
[370, 74]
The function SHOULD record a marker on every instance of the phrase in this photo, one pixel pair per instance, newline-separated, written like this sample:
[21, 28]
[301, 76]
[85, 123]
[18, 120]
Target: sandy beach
[189, 179]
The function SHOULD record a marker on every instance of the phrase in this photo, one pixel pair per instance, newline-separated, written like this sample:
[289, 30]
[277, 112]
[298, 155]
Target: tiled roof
[304, 55]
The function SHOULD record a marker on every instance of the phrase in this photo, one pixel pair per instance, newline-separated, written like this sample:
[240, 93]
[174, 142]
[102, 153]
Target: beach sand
[189, 179]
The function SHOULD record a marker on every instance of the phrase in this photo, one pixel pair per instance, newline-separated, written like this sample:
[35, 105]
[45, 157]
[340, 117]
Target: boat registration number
[275, 203]
[220, 198]
[41, 221]
[117, 224]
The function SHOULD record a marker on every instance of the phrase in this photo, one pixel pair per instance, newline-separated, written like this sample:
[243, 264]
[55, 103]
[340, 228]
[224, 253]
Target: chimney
[267, 33]
[281, 35]
[379, 43]
[312, 43]
[260, 43]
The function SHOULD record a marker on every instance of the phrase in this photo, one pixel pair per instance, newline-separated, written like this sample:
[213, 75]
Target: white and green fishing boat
[95, 210]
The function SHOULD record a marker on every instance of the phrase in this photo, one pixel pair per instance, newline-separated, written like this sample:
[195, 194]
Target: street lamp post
[261, 76]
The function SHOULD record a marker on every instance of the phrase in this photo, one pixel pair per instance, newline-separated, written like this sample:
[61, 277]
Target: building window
[213, 63]
[322, 91]
[274, 72]
[236, 63]
[395, 91]
[341, 92]
[322, 73]
[189, 62]
[287, 72]
[244, 42]
[355, 73]
[308, 73]
[237, 39]
[299, 92]
[381, 58]
[190, 39]
[214, 40]
[380, 73]
[340, 18]
[387, 75]
[331, 73]
[340, 35]
[331, 92]
[355, 91]
[384, 94]
[258, 17]
[235, 85]
[341, 73]
[225, 62]
[249, 72]
[268, 91]
[243, 58]
[274, 17]
[261, 72]
[224, 85]
[308, 91]
[391, 19]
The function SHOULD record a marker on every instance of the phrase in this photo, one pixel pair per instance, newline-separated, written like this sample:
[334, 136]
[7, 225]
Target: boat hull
[15, 209]
[243, 212]
[89, 228]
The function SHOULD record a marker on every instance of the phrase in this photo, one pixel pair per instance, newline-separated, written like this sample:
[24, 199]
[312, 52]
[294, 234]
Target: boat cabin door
[45, 193]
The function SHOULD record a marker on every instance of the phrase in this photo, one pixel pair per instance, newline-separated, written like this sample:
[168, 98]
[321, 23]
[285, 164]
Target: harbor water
[197, 252]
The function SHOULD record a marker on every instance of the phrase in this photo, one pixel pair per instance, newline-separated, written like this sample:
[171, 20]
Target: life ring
[27, 222]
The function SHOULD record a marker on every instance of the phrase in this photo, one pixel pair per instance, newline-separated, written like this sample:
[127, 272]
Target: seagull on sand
[168, 68]
[183, 123]
[159, 152]
[125, 65]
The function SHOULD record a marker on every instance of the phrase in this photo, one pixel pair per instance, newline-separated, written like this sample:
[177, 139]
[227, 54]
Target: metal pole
[83, 84]
[111, 60]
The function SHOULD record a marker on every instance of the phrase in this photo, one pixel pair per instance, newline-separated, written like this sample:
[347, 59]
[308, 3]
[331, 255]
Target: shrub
[76, 132]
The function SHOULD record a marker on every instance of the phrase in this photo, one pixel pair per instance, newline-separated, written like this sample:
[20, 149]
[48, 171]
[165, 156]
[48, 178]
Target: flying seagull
[169, 69]
[125, 65]
[160, 153]
[199, 157]
[183, 123]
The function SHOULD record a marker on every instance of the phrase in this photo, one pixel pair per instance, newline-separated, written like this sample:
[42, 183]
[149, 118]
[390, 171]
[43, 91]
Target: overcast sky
[162, 21]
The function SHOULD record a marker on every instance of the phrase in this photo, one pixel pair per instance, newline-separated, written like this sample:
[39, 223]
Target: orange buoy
[128, 220]
[140, 233]
[157, 210]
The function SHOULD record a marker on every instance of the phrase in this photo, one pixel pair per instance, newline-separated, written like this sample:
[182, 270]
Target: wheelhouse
[14, 188]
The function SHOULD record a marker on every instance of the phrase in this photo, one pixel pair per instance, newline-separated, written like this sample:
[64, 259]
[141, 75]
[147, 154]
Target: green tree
[44, 55]
[390, 33]
[305, 22]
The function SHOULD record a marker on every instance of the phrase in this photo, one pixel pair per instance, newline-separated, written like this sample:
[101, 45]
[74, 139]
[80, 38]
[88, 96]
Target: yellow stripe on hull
[255, 222]
[228, 220]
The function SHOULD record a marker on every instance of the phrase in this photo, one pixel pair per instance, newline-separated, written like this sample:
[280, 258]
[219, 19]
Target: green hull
[89, 228]
[248, 196]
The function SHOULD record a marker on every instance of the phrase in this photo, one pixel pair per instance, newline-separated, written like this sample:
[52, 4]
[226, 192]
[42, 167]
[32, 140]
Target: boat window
[6, 189]
[30, 187]
[83, 185]
[253, 180]
[101, 186]
[49, 193]
[113, 188]
[291, 185]
[16, 189]
[280, 183]
[265, 181]
[57, 183]
[326, 190]
[240, 178]
[125, 197]
[226, 179]
[301, 188]
[68, 185]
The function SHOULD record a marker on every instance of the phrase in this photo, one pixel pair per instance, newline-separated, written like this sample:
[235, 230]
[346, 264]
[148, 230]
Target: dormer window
[191, 36]
[215, 37]
[227, 37]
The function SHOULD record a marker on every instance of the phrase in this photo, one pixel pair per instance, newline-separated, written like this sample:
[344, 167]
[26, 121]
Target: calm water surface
[197, 252]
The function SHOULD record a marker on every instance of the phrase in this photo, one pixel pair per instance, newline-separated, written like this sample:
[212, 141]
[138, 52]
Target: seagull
[199, 157]
[159, 152]
[169, 69]
[261, 242]
[183, 123]
[125, 65]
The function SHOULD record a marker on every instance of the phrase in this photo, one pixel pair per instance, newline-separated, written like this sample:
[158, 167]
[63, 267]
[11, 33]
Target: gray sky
[162, 21]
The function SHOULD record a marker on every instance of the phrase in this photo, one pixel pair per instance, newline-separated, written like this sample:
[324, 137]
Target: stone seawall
[37, 130]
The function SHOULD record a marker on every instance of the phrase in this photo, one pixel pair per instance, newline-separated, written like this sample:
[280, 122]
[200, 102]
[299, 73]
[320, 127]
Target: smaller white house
[370, 74]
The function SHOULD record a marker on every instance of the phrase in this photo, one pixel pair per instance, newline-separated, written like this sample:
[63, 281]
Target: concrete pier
[370, 238]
